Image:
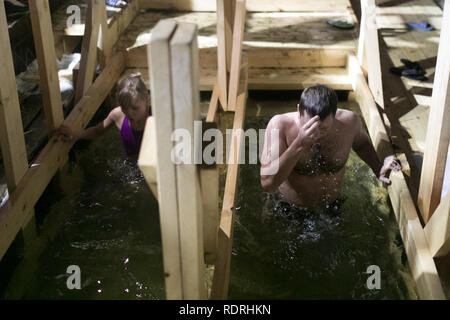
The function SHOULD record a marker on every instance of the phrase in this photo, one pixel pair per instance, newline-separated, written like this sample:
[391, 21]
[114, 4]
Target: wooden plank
[437, 230]
[186, 102]
[213, 104]
[297, 78]
[420, 259]
[46, 58]
[148, 159]
[238, 36]
[361, 54]
[224, 36]
[369, 51]
[209, 181]
[276, 79]
[252, 5]
[36, 179]
[259, 57]
[221, 278]
[162, 107]
[11, 131]
[88, 61]
[438, 132]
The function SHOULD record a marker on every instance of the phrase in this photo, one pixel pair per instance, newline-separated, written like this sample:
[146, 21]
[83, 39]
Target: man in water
[307, 160]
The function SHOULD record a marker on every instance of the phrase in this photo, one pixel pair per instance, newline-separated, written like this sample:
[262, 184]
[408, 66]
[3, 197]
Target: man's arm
[277, 159]
[365, 150]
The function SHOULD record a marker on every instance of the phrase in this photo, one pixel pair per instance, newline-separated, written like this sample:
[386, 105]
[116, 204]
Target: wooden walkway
[286, 50]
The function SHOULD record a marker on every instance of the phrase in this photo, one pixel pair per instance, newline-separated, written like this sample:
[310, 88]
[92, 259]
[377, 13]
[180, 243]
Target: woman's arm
[91, 132]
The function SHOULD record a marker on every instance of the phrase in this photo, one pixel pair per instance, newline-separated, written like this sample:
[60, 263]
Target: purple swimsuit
[131, 139]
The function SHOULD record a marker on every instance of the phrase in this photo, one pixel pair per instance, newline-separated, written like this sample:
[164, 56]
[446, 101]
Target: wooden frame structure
[421, 243]
[191, 230]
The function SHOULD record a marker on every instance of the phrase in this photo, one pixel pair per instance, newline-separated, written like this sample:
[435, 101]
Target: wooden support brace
[438, 132]
[162, 107]
[420, 259]
[437, 230]
[238, 36]
[225, 238]
[46, 58]
[88, 62]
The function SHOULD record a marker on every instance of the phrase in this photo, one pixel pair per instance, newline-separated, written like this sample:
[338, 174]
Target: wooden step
[274, 78]
[271, 39]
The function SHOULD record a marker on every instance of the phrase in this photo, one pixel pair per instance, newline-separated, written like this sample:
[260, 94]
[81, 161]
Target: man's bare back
[307, 159]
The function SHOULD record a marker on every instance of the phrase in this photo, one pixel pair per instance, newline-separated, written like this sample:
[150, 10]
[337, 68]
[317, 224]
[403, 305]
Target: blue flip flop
[115, 4]
[425, 26]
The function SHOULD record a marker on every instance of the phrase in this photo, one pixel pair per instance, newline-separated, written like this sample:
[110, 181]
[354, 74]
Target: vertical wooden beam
[362, 37]
[238, 36]
[162, 107]
[46, 58]
[209, 181]
[369, 50]
[186, 102]
[438, 132]
[221, 277]
[224, 45]
[148, 158]
[12, 138]
[105, 43]
[88, 61]
[11, 128]
[437, 230]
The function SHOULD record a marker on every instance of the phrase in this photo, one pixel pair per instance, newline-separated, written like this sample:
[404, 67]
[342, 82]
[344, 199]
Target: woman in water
[129, 117]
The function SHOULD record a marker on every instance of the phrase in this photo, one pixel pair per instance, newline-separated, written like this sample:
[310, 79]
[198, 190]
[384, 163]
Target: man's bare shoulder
[347, 117]
[282, 121]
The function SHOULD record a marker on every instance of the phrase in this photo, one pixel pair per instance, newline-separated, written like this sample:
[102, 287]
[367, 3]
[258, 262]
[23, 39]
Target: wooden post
[186, 101]
[11, 128]
[209, 180]
[105, 43]
[225, 9]
[88, 61]
[369, 50]
[221, 277]
[438, 132]
[362, 37]
[148, 158]
[162, 107]
[238, 36]
[46, 58]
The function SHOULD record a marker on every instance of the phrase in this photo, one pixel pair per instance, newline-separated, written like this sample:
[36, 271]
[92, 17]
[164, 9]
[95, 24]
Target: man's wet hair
[318, 100]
